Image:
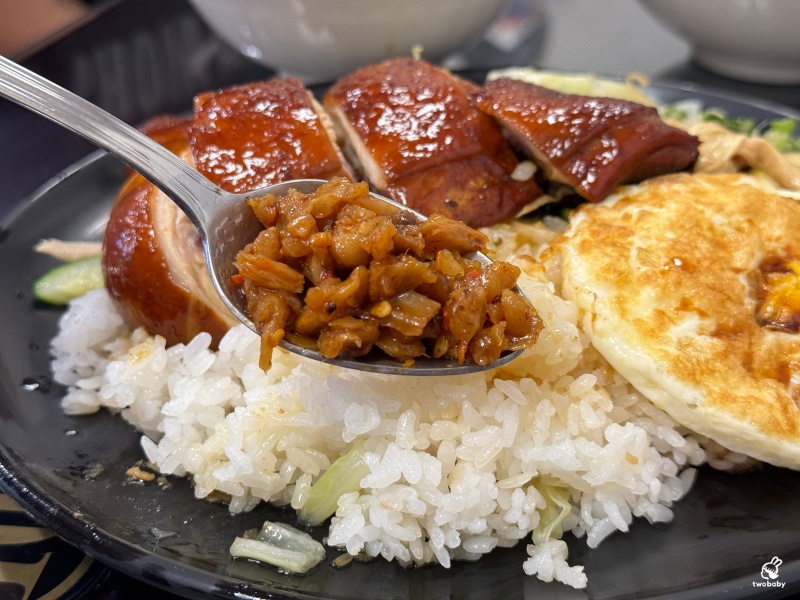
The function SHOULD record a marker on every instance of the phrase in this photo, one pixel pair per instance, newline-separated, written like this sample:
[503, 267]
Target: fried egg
[689, 286]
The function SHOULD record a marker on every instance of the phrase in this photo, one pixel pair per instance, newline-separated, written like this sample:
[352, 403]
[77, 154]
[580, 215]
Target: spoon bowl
[225, 220]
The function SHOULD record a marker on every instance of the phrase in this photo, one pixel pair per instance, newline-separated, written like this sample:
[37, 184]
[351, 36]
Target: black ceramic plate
[722, 534]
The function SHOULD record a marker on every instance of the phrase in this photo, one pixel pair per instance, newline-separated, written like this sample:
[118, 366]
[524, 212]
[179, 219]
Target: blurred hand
[25, 23]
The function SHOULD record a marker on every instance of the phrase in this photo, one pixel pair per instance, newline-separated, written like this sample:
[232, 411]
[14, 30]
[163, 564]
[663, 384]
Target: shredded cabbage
[556, 495]
[282, 546]
[343, 476]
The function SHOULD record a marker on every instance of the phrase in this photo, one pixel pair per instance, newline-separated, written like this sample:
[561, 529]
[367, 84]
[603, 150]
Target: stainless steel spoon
[225, 221]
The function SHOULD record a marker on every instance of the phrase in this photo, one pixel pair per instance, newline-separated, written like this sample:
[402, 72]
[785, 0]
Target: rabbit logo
[770, 569]
[769, 573]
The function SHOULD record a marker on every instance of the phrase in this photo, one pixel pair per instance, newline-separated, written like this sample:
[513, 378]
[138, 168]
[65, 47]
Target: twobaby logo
[769, 573]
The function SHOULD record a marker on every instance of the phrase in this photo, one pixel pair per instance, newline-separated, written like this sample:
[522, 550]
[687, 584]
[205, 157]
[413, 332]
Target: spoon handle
[183, 184]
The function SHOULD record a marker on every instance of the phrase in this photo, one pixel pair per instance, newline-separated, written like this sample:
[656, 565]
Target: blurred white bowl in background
[319, 40]
[752, 40]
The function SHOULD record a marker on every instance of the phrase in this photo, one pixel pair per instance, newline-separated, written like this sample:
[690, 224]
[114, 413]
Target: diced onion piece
[269, 273]
[348, 337]
[411, 312]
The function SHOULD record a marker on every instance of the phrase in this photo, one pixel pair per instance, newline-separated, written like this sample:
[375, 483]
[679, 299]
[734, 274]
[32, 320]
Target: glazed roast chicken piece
[591, 144]
[242, 139]
[153, 263]
[416, 136]
[250, 136]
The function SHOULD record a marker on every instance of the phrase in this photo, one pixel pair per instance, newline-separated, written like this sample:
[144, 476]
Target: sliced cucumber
[70, 280]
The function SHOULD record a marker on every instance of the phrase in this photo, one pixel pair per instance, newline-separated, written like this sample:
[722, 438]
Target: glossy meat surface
[253, 135]
[592, 144]
[153, 265]
[476, 190]
[418, 137]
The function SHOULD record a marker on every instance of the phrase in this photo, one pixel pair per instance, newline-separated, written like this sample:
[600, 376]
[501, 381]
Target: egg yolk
[780, 296]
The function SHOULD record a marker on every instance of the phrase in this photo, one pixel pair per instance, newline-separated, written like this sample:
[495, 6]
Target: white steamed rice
[453, 460]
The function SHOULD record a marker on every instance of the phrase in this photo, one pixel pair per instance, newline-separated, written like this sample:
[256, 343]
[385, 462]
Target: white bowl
[319, 40]
[752, 40]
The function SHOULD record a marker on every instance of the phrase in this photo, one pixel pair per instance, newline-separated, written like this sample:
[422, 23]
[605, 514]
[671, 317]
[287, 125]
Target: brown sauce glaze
[250, 136]
[421, 140]
[591, 144]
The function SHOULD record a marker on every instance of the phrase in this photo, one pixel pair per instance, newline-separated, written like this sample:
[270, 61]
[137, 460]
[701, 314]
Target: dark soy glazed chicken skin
[153, 264]
[241, 138]
[418, 138]
[254, 135]
[590, 144]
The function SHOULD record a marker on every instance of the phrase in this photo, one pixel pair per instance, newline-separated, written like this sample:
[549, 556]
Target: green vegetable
[70, 280]
[343, 476]
[744, 125]
[556, 494]
[674, 112]
[282, 546]
[781, 134]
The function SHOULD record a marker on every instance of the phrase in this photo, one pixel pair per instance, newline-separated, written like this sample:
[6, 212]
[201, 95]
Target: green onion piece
[69, 281]
[282, 546]
[670, 111]
[342, 477]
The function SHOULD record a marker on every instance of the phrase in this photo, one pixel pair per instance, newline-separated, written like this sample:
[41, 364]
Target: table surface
[144, 57]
